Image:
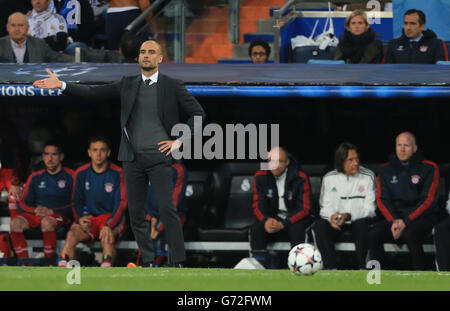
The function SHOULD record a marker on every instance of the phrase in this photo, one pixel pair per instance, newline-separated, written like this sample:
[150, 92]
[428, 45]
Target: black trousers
[413, 236]
[156, 168]
[295, 233]
[442, 243]
[326, 236]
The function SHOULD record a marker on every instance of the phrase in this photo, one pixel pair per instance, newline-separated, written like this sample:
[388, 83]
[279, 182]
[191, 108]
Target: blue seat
[442, 62]
[249, 37]
[326, 62]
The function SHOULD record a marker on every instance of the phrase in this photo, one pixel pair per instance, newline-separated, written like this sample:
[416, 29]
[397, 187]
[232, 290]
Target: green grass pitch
[203, 279]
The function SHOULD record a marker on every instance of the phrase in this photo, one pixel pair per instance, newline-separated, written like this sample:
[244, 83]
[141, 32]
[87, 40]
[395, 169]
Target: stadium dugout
[219, 190]
[220, 212]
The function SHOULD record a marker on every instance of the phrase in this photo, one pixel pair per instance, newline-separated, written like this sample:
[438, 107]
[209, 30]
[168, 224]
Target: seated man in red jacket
[281, 204]
[407, 198]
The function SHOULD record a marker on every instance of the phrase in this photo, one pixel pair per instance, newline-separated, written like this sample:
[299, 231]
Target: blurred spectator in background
[416, 45]
[347, 201]
[119, 15]
[127, 52]
[129, 47]
[357, 44]
[17, 47]
[259, 51]
[79, 17]
[7, 7]
[47, 25]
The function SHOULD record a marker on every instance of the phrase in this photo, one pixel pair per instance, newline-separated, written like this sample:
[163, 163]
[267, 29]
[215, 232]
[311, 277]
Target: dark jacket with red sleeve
[408, 191]
[297, 195]
[428, 50]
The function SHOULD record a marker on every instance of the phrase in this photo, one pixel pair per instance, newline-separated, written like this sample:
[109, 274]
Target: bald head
[278, 161]
[154, 43]
[405, 146]
[16, 17]
[17, 27]
[150, 56]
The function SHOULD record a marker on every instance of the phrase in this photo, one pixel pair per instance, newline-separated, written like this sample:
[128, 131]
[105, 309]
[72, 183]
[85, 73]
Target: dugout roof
[280, 80]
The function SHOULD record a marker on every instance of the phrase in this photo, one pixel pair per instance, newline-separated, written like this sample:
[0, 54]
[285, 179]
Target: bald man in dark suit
[150, 105]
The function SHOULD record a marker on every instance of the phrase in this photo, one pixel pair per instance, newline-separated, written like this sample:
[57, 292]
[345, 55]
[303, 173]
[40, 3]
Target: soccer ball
[304, 259]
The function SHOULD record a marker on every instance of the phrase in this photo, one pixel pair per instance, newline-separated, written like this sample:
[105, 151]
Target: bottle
[85, 211]
[4, 195]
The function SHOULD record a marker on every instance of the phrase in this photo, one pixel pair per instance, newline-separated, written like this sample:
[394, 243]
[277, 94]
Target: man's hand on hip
[169, 146]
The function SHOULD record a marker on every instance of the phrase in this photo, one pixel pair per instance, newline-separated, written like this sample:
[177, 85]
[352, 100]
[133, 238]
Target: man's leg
[297, 231]
[160, 175]
[136, 182]
[442, 242]
[414, 234]
[48, 227]
[109, 249]
[258, 236]
[325, 236]
[17, 226]
[74, 236]
[360, 230]
[258, 243]
[378, 234]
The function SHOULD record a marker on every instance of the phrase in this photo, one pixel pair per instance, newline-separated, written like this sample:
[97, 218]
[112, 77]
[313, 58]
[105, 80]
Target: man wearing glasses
[259, 51]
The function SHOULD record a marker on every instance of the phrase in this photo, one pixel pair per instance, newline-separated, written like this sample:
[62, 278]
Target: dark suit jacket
[171, 93]
[37, 49]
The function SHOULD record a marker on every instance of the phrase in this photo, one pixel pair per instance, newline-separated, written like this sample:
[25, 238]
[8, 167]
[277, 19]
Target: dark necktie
[147, 81]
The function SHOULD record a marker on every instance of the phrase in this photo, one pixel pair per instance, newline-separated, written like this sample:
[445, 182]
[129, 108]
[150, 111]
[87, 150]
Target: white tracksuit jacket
[354, 194]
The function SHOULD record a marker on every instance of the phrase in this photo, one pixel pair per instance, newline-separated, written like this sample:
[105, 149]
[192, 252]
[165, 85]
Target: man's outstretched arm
[107, 91]
[51, 82]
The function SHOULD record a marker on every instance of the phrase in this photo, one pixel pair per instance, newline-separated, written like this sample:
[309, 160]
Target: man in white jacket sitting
[347, 201]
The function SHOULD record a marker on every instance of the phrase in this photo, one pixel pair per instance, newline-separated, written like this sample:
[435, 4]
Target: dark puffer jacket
[428, 50]
[408, 191]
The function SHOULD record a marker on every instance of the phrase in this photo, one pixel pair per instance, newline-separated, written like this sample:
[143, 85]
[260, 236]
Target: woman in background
[357, 44]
